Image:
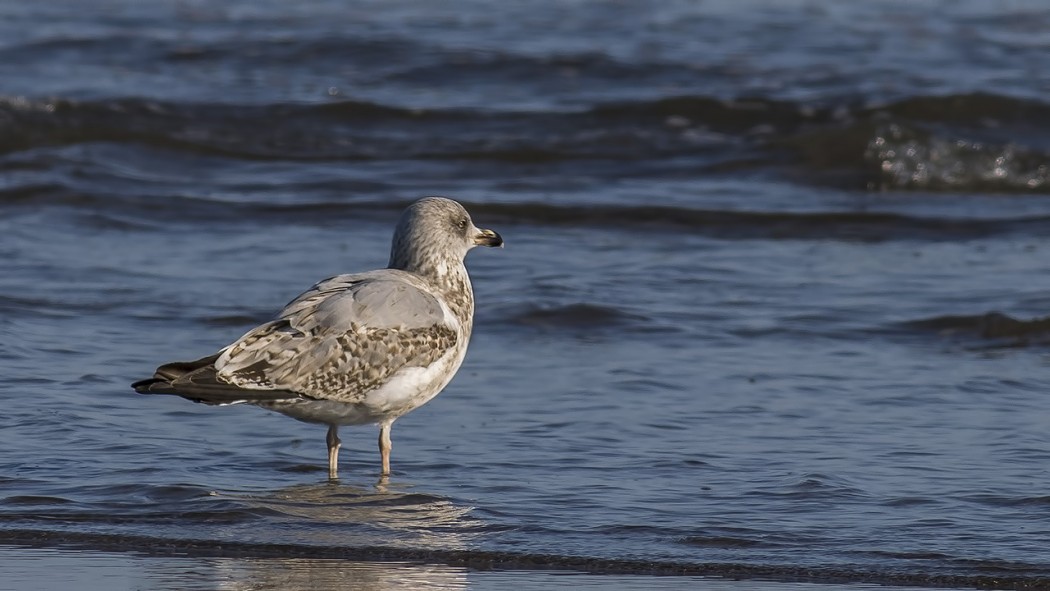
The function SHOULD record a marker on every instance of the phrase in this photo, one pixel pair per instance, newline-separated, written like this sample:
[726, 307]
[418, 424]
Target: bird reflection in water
[340, 515]
[333, 515]
[304, 574]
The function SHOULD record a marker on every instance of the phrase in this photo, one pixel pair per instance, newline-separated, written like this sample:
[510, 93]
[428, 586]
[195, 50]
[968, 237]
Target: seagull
[355, 349]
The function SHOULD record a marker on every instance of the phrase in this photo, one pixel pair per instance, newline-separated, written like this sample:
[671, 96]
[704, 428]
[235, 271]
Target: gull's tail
[198, 381]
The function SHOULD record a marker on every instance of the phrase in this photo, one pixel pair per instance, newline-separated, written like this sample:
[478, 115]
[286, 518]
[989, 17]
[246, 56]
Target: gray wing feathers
[380, 299]
[341, 338]
[377, 304]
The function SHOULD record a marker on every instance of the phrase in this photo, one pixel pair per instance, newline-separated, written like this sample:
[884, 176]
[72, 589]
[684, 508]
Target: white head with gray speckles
[433, 236]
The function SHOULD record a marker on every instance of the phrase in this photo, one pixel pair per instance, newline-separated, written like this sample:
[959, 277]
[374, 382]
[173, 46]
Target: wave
[291, 132]
[730, 224]
[973, 142]
[986, 574]
[973, 109]
[147, 211]
[988, 326]
[912, 159]
[132, 50]
[575, 316]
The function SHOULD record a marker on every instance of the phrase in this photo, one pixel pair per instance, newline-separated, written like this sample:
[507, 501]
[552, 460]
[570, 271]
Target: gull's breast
[412, 387]
[405, 390]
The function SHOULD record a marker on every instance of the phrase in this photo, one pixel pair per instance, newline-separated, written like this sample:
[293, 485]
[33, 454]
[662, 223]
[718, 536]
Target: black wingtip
[146, 386]
[216, 394]
[161, 381]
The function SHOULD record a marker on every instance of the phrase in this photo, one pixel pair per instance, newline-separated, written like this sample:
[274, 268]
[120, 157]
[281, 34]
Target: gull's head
[434, 231]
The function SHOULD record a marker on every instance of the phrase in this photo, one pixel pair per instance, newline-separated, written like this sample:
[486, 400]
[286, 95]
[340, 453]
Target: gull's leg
[333, 451]
[384, 446]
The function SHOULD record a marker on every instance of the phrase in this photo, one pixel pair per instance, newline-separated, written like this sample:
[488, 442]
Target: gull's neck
[448, 276]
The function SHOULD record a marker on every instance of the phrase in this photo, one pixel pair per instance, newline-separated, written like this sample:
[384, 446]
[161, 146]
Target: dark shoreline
[481, 560]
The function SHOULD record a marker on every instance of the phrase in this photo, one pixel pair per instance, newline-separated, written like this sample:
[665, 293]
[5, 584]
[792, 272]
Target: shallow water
[773, 304]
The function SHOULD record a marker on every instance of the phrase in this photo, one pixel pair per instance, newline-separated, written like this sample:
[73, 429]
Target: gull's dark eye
[462, 224]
